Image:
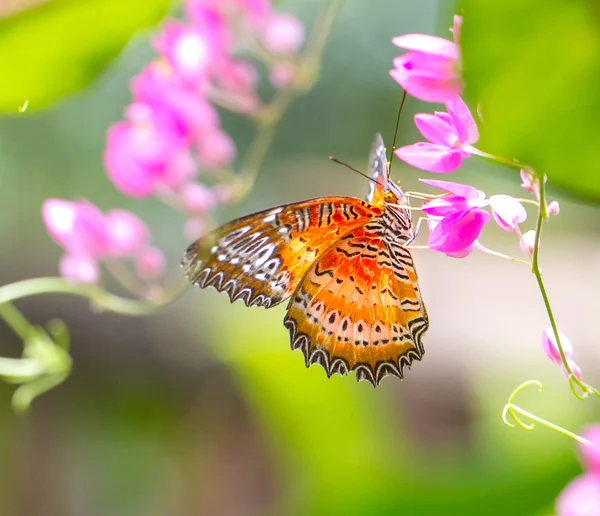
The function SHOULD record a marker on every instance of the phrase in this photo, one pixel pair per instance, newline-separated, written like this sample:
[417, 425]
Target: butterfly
[354, 299]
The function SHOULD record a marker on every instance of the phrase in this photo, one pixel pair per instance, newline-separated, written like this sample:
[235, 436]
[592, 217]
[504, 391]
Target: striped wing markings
[261, 258]
[359, 308]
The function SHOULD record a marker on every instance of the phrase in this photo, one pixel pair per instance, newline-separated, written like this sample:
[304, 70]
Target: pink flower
[553, 208]
[282, 34]
[189, 113]
[216, 149]
[529, 182]
[240, 78]
[459, 217]
[79, 268]
[195, 228]
[198, 198]
[125, 232]
[89, 236]
[430, 70]
[150, 263]
[456, 28]
[507, 211]
[78, 227]
[281, 75]
[551, 348]
[581, 497]
[527, 243]
[591, 454]
[193, 50]
[450, 136]
[553, 353]
[210, 18]
[147, 153]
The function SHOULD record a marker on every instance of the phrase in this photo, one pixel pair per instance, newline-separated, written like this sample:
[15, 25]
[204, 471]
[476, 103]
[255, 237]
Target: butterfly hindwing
[261, 258]
[359, 308]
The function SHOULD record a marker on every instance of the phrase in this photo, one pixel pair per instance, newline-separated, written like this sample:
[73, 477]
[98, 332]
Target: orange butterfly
[355, 303]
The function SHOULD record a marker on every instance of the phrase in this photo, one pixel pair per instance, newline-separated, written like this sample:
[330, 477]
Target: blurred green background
[203, 408]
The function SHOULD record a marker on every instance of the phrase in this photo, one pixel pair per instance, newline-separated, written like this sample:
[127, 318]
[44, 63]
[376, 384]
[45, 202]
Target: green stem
[100, 299]
[498, 159]
[15, 320]
[21, 368]
[270, 116]
[535, 267]
[511, 408]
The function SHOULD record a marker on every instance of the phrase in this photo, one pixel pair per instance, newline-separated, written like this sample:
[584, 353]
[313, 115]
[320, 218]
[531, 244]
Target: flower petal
[79, 268]
[430, 157]
[59, 218]
[528, 242]
[581, 497]
[427, 44]
[551, 348]
[436, 128]
[127, 233]
[473, 195]
[458, 231]
[444, 206]
[464, 123]
[150, 263]
[575, 369]
[198, 198]
[507, 211]
[456, 27]
[282, 33]
[428, 78]
[591, 454]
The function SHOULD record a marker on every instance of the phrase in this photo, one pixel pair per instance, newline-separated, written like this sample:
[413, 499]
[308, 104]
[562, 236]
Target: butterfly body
[354, 301]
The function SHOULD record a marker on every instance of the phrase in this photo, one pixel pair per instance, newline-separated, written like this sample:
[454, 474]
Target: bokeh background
[203, 409]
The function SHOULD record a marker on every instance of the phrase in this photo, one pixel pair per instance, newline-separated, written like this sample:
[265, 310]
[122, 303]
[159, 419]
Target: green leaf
[61, 46]
[534, 67]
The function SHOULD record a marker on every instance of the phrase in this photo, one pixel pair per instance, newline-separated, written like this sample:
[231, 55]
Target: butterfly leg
[423, 196]
[418, 226]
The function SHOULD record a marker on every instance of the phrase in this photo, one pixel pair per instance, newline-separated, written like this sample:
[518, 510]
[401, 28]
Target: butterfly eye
[389, 197]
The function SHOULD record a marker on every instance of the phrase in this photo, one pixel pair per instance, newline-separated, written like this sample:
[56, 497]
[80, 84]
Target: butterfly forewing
[359, 307]
[379, 171]
[355, 301]
[262, 257]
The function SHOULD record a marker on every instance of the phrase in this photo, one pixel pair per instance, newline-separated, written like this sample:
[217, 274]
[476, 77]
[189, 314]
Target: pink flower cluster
[172, 129]
[456, 219]
[430, 71]
[581, 497]
[89, 236]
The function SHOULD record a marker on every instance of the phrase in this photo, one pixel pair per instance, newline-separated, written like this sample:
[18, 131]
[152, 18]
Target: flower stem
[269, 117]
[484, 249]
[511, 409]
[99, 298]
[15, 320]
[499, 159]
[535, 268]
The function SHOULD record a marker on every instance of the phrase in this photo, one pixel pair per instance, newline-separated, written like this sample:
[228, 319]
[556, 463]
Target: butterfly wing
[261, 258]
[359, 308]
[378, 171]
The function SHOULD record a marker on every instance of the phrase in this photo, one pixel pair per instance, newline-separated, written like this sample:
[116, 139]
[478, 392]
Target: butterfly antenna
[339, 162]
[396, 129]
